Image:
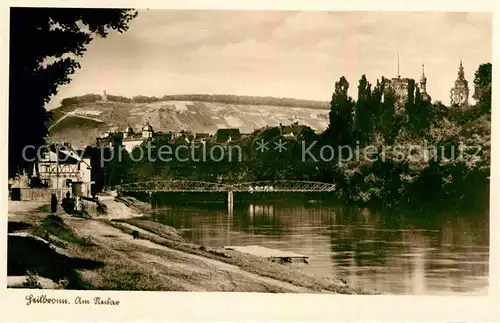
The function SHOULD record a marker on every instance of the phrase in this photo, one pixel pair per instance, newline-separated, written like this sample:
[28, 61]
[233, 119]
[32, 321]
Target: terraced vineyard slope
[81, 123]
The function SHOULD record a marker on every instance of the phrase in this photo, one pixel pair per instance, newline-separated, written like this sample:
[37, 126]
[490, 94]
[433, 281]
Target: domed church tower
[147, 131]
[129, 132]
[459, 94]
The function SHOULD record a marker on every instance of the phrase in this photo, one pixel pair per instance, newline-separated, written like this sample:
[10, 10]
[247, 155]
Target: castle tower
[459, 94]
[400, 87]
[104, 96]
[423, 86]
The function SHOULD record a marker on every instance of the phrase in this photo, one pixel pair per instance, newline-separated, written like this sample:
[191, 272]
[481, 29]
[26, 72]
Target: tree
[482, 85]
[44, 45]
[341, 111]
[390, 122]
[363, 118]
[377, 94]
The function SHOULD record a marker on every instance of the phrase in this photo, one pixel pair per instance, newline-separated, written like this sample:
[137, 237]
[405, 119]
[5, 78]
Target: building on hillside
[131, 139]
[226, 136]
[110, 139]
[292, 131]
[202, 138]
[128, 138]
[163, 136]
[188, 138]
[66, 170]
[184, 138]
[459, 93]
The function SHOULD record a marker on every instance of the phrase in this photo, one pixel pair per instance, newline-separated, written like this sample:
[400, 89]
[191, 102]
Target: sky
[280, 53]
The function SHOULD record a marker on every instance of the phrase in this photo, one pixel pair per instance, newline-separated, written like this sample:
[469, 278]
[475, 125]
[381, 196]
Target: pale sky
[281, 54]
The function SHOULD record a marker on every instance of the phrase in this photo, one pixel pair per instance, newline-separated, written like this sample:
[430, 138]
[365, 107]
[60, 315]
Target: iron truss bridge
[198, 186]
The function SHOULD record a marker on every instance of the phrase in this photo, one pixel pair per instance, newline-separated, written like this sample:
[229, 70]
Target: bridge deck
[266, 252]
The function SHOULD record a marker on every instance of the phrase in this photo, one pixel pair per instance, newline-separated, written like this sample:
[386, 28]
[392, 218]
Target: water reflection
[397, 254]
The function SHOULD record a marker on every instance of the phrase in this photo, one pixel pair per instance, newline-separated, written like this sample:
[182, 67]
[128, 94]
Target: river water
[414, 253]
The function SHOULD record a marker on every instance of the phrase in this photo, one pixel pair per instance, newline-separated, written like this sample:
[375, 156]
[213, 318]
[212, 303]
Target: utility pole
[105, 184]
[57, 173]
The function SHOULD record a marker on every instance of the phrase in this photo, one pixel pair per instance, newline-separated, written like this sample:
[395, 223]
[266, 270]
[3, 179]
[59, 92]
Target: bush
[32, 281]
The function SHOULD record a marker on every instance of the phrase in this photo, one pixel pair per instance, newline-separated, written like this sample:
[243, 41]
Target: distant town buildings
[459, 93]
[292, 131]
[85, 112]
[129, 139]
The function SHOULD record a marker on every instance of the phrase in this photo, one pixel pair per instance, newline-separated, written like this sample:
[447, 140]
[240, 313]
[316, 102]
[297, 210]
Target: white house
[63, 169]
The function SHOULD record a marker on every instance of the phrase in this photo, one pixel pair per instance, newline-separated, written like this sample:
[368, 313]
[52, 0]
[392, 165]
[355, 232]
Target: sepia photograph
[258, 151]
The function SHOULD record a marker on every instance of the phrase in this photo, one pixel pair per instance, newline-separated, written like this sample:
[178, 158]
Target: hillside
[80, 123]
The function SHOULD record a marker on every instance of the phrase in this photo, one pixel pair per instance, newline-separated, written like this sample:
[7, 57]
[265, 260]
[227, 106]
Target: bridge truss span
[199, 186]
[172, 186]
[283, 186]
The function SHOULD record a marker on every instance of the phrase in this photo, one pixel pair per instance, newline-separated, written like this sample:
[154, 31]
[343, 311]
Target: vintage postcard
[253, 159]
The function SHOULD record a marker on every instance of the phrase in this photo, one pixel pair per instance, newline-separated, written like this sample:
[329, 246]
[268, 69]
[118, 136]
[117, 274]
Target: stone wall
[92, 207]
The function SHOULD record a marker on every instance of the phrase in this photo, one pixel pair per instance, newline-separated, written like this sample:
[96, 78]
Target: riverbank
[102, 254]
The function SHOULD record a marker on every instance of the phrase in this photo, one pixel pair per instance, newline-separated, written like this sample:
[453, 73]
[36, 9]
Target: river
[417, 253]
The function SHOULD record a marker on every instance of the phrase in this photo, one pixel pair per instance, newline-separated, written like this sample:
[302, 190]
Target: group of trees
[220, 98]
[455, 143]
[377, 112]
[92, 98]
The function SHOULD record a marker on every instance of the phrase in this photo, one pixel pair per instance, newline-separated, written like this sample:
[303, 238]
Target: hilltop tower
[104, 96]
[459, 93]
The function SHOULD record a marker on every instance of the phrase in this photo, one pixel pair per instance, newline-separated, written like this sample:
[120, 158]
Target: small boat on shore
[268, 253]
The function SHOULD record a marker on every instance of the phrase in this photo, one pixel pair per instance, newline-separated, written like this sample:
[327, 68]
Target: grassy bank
[102, 255]
[169, 237]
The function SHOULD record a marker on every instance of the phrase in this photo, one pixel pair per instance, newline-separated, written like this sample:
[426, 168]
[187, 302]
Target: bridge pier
[152, 199]
[230, 201]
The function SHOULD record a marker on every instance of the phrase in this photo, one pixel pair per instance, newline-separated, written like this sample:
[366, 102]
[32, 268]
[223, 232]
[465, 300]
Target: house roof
[201, 135]
[66, 155]
[186, 137]
[293, 129]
